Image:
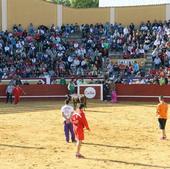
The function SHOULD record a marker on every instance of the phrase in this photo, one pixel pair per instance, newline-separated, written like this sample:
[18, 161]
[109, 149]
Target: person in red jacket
[79, 123]
[17, 92]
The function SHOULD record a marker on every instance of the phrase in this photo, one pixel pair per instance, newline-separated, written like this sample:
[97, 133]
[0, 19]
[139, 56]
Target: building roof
[123, 3]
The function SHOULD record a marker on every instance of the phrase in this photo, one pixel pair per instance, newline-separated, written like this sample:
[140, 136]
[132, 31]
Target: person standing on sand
[9, 91]
[79, 122]
[162, 114]
[17, 92]
[67, 112]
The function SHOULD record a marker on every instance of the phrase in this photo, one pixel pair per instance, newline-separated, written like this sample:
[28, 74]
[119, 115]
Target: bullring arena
[116, 55]
[123, 135]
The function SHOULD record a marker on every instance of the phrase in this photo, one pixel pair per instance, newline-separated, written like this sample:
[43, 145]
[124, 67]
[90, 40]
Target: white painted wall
[168, 12]
[59, 15]
[4, 15]
[112, 15]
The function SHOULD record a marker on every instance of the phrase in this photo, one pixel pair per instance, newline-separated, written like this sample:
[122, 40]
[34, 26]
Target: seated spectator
[157, 62]
[135, 67]
[63, 81]
[162, 81]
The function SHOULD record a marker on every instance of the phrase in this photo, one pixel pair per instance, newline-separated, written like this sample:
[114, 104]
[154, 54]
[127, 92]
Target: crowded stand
[49, 52]
[153, 39]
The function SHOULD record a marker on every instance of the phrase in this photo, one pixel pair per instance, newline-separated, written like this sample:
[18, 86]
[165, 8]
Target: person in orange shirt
[79, 122]
[162, 114]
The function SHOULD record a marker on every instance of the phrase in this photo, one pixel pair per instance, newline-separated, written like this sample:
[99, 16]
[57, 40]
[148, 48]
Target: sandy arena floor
[123, 136]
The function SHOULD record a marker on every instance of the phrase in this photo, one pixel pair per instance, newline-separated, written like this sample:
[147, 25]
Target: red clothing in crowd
[17, 92]
[79, 122]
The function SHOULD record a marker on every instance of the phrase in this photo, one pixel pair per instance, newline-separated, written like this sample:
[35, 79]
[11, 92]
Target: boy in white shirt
[67, 112]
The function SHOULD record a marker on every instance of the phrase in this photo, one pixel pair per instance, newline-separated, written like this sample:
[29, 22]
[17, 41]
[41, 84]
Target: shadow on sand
[128, 163]
[24, 147]
[96, 111]
[111, 146]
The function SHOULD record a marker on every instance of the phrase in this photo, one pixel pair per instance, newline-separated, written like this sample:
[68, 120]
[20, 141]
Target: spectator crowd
[154, 38]
[43, 51]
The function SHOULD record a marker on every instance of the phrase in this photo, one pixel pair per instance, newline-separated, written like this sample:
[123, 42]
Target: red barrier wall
[140, 92]
[143, 90]
[133, 92]
[40, 90]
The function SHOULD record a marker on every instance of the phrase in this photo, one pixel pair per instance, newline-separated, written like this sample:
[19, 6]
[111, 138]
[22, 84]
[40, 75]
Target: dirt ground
[123, 136]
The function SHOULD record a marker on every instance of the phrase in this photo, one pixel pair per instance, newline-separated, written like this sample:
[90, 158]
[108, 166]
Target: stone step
[74, 37]
[146, 66]
[149, 57]
[149, 63]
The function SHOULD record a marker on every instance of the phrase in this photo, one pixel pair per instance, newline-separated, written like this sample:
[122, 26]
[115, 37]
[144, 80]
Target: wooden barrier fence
[132, 92]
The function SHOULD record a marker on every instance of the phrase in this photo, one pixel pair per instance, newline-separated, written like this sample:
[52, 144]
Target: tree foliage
[85, 3]
[77, 3]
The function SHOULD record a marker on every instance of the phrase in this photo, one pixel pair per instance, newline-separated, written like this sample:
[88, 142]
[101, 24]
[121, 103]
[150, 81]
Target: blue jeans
[68, 128]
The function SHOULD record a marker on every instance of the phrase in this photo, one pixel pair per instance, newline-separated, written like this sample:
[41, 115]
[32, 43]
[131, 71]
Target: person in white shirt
[9, 91]
[67, 112]
[157, 62]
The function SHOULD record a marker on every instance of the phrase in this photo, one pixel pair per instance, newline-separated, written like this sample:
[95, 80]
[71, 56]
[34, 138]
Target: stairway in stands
[77, 36]
[149, 62]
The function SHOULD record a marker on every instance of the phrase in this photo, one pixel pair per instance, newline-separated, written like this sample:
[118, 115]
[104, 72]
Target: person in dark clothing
[9, 91]
[106, 91]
